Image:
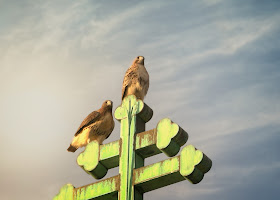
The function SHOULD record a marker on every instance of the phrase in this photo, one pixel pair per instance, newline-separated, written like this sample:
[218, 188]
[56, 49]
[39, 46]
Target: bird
[136, 79]
[98, 125]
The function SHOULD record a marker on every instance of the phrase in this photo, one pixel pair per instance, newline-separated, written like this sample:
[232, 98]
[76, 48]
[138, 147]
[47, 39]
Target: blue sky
[214, 69]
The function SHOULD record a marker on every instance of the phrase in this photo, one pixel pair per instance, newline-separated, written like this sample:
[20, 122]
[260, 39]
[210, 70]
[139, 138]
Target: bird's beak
[109, 103]
[141, 60]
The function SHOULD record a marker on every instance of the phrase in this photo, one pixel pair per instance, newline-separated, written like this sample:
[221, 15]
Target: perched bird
[98, 125]
[136, 79]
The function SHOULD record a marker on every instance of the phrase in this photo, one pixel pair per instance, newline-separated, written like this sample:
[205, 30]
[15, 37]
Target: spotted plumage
[136, 79]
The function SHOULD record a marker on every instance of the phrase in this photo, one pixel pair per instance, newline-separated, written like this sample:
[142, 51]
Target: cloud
[213, 67]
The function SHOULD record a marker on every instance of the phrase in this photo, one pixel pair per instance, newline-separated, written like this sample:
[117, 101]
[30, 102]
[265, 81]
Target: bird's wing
[130, 74]
[112, 125]
[144, 80]
[91, 118]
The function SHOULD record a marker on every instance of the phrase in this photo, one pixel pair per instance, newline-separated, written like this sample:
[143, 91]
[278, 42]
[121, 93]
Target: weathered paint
[109, 150]
[167, 137]
[96, 160]
[127, 114]
[145, 139]
[129, 153]
[89, 161]
[104, 190]
[109, 154]
[194, 164]
[65, 193]
[145, 144]
[156, 170]
[158, 175]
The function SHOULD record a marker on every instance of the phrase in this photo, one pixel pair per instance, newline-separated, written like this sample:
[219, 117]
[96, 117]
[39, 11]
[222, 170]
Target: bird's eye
[138, 57]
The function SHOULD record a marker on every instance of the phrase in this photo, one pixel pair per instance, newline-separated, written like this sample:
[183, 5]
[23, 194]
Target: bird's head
[108, 104]
[139, 60]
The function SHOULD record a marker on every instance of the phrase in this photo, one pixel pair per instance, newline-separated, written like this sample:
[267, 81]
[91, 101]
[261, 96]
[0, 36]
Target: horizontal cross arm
[168, 137]
[102, 190]
[192, 164]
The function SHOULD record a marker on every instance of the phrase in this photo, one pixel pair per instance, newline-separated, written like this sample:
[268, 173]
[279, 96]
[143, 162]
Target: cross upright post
[133, 115]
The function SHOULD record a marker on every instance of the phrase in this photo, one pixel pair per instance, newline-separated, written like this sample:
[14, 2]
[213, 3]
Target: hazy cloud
[214, 70]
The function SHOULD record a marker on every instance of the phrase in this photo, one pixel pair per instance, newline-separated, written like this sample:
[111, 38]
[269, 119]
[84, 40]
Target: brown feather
[136, 79]
[98, 126]
[91, 118]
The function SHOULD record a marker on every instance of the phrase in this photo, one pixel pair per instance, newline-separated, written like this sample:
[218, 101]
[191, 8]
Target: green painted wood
[104, 190]
[129, 152]
[145, 114]
[170, 137]
[109, 154]
[89, 161]
[192, 164]
[145, 144]
[66, 192]
[158, 175]
[126, 113]
[97, 159]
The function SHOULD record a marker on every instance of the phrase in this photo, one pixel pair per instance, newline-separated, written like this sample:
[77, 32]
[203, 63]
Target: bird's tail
[71, 148]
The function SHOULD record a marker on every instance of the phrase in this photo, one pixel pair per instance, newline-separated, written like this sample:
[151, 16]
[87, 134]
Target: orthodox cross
[129, 152]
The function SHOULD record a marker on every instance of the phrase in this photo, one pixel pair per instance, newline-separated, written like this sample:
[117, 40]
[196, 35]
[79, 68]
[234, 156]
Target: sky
[214, 69]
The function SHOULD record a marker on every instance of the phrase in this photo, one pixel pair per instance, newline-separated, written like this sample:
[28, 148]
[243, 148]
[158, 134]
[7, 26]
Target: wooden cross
[129, 152]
